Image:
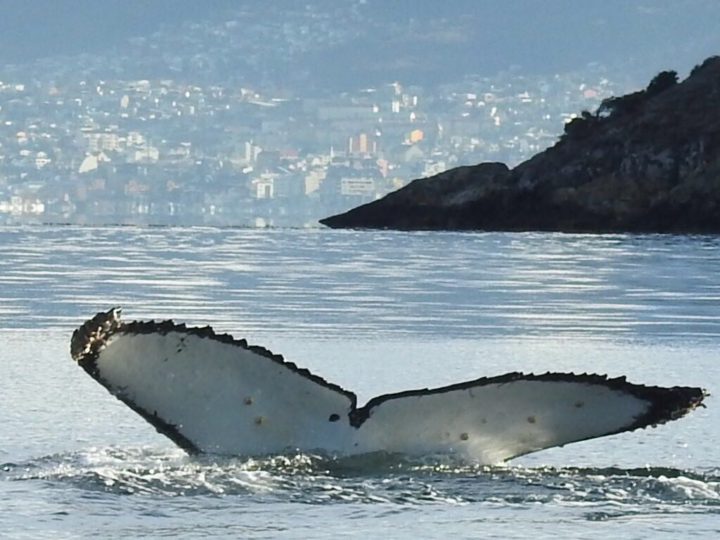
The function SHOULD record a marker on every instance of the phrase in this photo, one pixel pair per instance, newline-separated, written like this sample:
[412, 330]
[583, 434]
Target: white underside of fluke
[495, 422]
[212, 393]
[223, 398]
[230, 400]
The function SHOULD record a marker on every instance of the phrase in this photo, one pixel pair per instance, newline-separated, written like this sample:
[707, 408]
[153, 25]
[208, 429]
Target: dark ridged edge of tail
[88, 340]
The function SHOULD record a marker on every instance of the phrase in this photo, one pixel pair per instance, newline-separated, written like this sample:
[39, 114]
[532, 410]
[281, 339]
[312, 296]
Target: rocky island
[648, 161]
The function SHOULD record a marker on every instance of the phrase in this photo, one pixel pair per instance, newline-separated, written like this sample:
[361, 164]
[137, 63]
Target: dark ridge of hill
[645, 162]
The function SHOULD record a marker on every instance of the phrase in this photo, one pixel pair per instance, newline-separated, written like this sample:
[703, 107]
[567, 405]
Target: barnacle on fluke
[210, 392]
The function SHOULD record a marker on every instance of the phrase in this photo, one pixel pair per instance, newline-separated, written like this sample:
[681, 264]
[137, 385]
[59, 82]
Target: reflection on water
[371, 282]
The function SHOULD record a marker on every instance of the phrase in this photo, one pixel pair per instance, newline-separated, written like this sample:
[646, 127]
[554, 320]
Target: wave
[372, 478]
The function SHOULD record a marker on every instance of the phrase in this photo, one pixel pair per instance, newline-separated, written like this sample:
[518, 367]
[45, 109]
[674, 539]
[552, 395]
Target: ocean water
[375, 312]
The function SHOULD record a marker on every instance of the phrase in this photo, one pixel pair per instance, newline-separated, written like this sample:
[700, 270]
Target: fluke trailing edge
[212, 393]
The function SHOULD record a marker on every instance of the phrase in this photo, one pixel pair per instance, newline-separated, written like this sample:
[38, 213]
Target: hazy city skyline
[171, 112]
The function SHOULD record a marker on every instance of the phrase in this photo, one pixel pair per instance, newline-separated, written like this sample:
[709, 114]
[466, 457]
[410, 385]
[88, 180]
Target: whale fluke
[213, 393]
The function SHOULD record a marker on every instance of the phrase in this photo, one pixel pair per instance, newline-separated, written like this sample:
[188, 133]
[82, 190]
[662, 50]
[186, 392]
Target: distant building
[416, 135]
[97, 142]
[92, 162]
[41, 160]
[18, 206]
[357, 187]
[147, 154]
[362, 144]
[313, 179]
[263, 187]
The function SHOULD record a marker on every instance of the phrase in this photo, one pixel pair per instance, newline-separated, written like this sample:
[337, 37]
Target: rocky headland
[644, 162]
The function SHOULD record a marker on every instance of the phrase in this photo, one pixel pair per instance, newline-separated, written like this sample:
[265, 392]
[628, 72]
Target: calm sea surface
[375, 312]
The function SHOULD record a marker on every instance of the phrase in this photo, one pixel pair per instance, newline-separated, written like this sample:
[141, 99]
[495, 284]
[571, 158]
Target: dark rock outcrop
[645, 162]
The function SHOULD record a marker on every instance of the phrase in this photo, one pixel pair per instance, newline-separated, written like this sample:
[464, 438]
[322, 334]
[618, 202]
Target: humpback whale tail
[213, 393]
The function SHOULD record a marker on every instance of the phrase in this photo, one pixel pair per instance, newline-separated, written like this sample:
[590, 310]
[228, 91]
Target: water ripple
[497, 284]
[370, 479]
